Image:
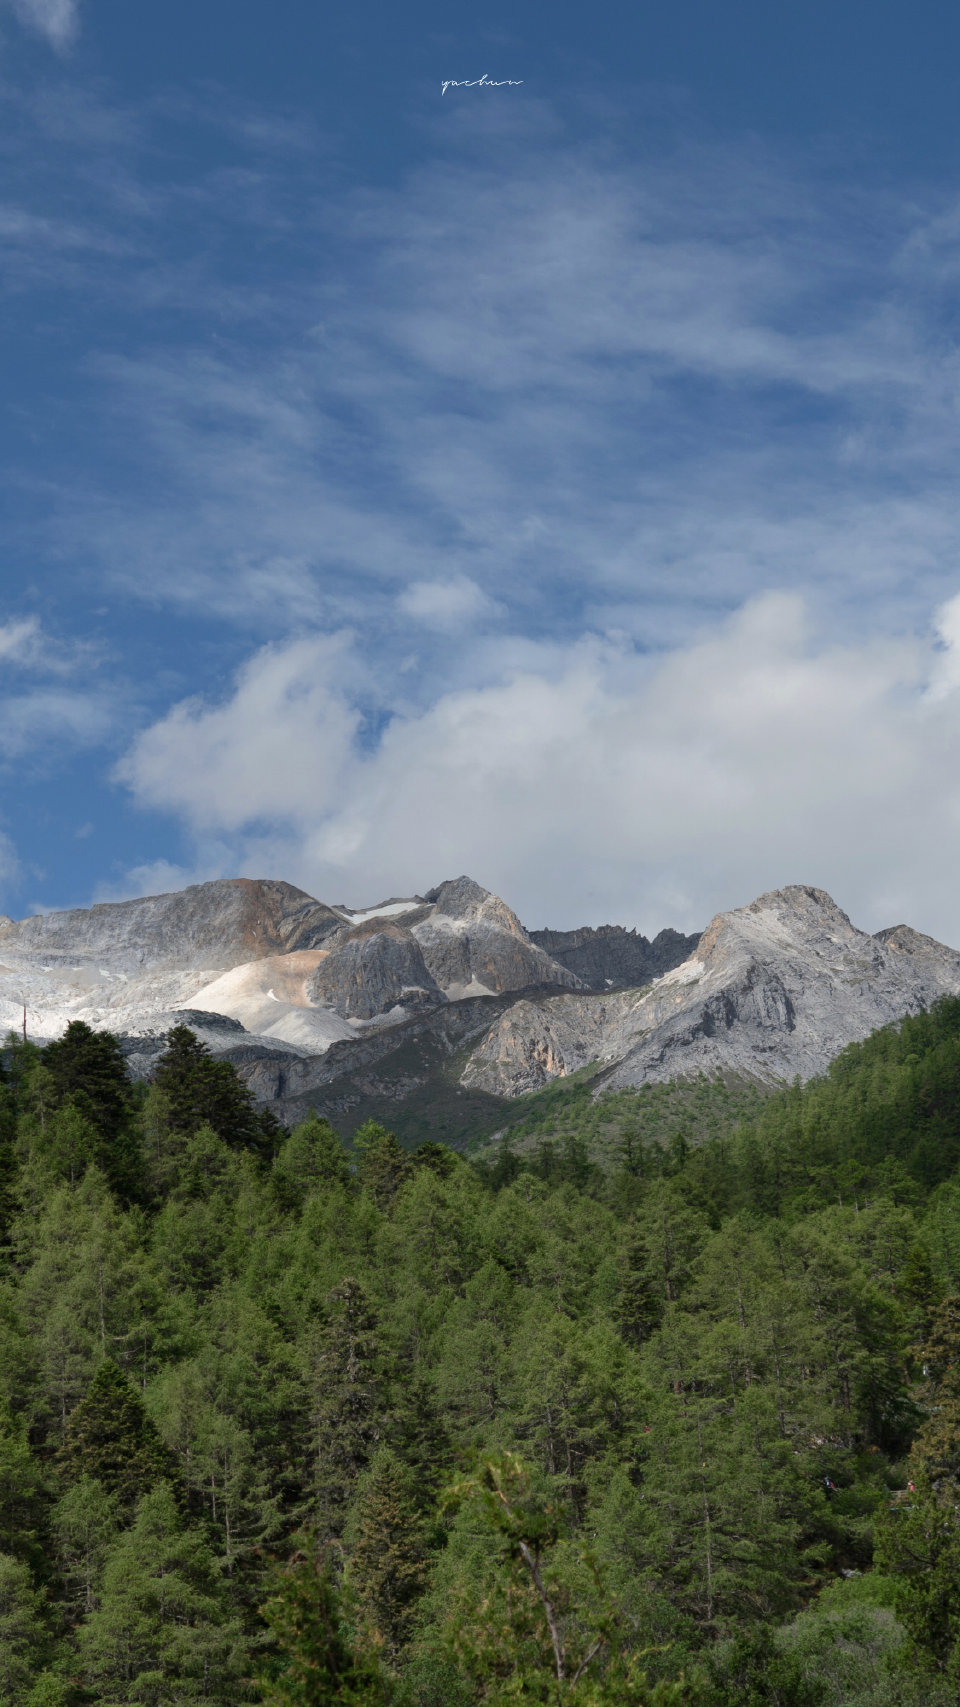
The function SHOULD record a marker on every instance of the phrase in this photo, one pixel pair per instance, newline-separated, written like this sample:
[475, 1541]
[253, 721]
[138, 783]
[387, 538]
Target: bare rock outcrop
[611, 957]
[294, 971]
[773, 990]
[370, 970]
[473, 944]
[216, 925]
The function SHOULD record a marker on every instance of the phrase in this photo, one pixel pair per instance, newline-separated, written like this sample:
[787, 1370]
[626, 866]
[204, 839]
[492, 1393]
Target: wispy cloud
[42, 712]
[657, 389]
[573, 442]
[58, 20]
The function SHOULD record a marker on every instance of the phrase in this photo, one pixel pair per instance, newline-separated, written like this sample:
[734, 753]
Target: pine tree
[311, 1158]
[918, 1540]
[85, 1523]
[199, 1091]
[163, 1631]
[346, 1383]
[111, 1439]
[22, 1634]
[387, 1549]
[21, 1491]
[383, 1164]
[314, 1662]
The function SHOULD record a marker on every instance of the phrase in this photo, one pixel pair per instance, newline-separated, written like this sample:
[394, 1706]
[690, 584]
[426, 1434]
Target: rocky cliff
[610, 957]
[772, 990]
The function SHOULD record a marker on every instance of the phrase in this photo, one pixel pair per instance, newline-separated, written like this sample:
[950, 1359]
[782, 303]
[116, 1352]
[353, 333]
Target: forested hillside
[286, 1422]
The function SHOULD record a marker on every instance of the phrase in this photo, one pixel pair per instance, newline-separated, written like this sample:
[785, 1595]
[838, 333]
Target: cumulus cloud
[56, 19]
[603, 784]
[276, 750]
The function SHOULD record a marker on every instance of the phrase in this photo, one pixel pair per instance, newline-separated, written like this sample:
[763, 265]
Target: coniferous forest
[287, 1421]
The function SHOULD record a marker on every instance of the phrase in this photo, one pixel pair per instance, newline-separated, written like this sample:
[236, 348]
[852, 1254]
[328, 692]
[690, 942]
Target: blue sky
[556, 482]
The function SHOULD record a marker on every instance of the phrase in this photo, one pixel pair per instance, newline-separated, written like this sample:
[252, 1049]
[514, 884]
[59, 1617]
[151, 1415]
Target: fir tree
[383, 1164]
[387, 1549]
[21, 1491]
[87, 1067]
[163, 1631]
[111, 1439]
[85, 1523]
[347, 1382]
[312, 1157]
[315, 1663]
[22, 1634]
[199, 1091]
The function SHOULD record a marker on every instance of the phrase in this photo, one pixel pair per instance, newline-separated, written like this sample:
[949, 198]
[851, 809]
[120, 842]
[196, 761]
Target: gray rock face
[296, 972]
[373, 970]
[472, 942]
[217, 925]
[773, 989]
[610, 957]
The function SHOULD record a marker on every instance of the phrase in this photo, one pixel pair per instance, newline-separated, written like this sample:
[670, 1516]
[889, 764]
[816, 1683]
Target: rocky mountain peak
[798, 914]
[774, 989]
[802, 902]
[458, 897]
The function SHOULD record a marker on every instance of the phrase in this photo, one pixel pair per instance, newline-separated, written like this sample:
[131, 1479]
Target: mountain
[610, 957]
[772, 990]
[294, 972]
[433, 1011]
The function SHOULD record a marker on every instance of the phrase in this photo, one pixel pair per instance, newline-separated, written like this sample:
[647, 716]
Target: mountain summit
[773, 989]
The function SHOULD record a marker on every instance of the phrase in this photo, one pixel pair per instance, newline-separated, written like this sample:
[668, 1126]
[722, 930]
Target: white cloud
[446, 605]
[603, 784]
[20, 642]
[50, 717]
[56, 19]
[9, 867]
[276, 750]
[628, 391]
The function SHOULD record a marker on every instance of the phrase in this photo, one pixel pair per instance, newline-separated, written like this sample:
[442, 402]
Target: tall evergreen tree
[23, 1637]
[199, 1091]
[163, 1631]
[315, 1662]
[382, 1162]
[347, 1389]
[85, 1523]
[386, 1542]
[111, 1438]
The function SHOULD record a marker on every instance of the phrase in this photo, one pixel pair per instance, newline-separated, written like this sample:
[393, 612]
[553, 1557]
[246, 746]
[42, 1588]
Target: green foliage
[386, 1541]
[87, 1079]
[345, 1379]
[198, 1091]
[111, 1439]
[536, 1621]
[679, 1355]
[311, 1158]
[315, 1662]
[162, 1630]
[23, 1639]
